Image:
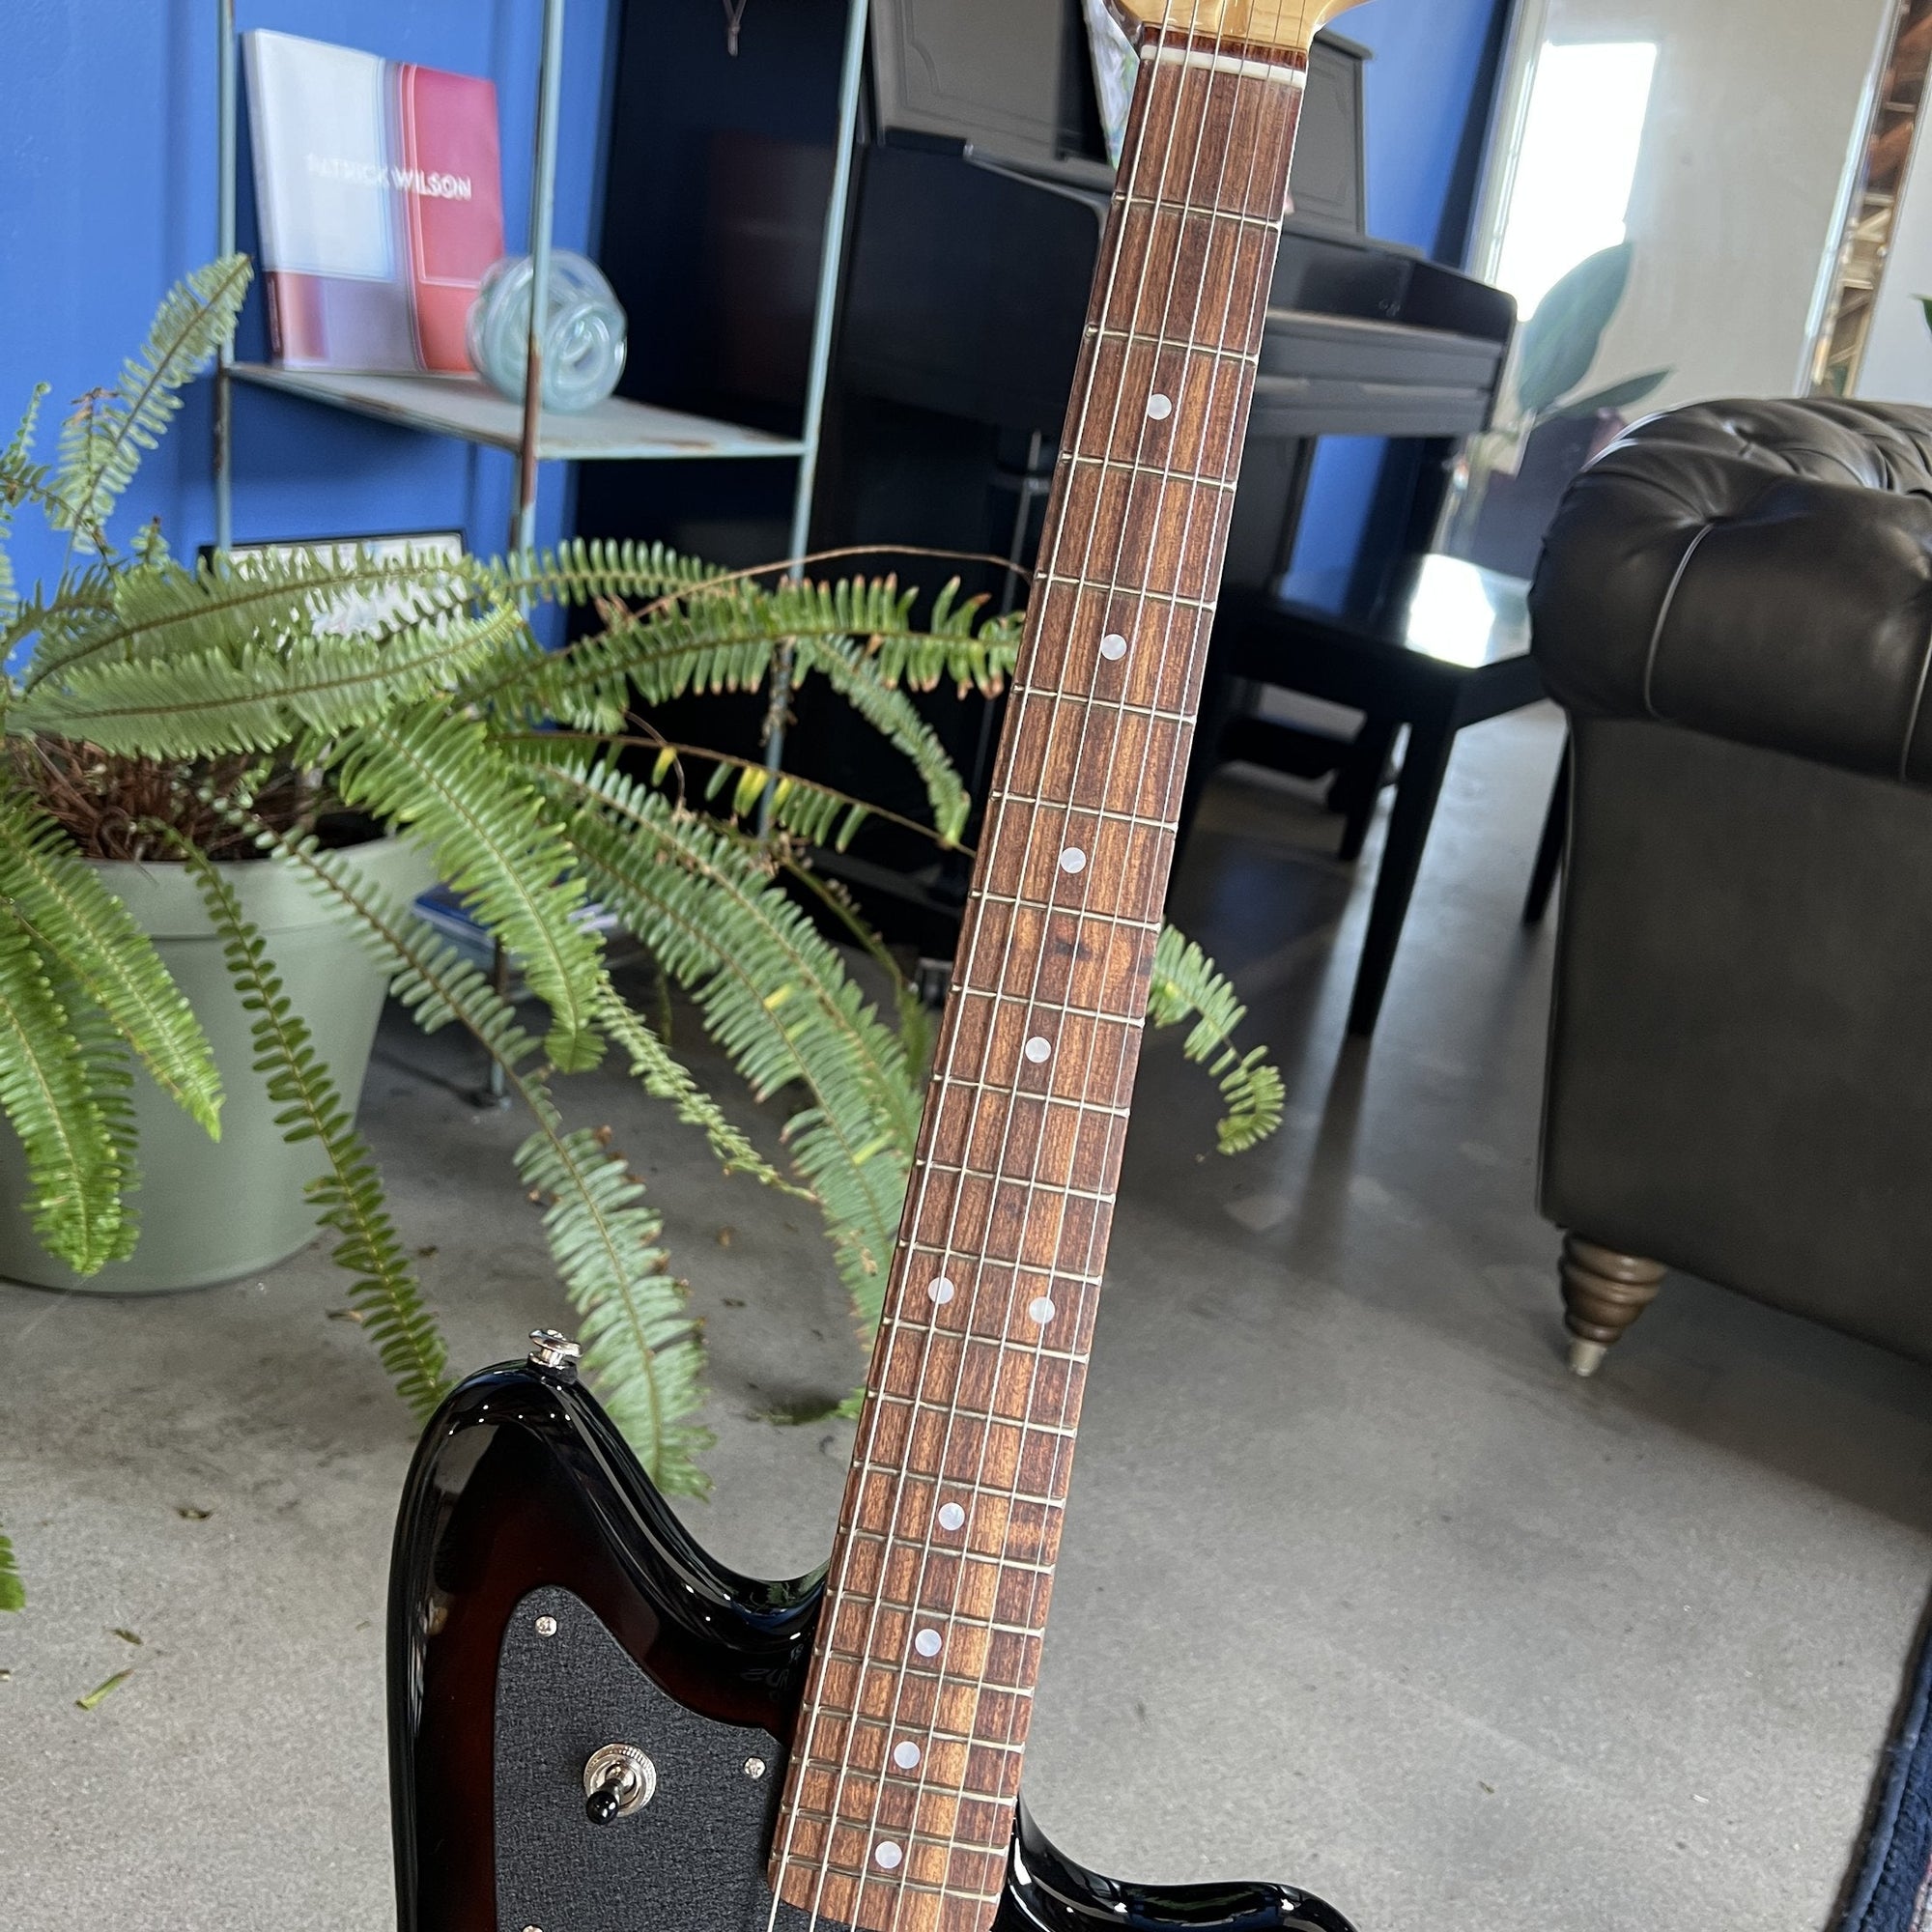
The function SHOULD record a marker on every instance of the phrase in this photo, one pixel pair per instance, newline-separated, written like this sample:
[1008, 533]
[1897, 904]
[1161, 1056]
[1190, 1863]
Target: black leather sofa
[1734, 607]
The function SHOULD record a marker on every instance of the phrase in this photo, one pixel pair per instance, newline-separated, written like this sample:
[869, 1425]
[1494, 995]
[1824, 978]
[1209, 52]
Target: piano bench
[1448, 649]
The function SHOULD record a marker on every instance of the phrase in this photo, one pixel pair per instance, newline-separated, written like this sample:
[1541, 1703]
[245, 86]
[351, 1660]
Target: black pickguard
[689, 1861]
[524, 1504]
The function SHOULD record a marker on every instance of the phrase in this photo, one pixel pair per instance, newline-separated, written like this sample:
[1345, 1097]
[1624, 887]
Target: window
[1570, 195]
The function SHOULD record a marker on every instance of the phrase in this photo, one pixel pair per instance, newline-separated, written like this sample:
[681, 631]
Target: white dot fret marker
[951, 1515]
[906, 1755]
[888, 1856]
[940, 1289]
[1159, 407]
[927, 1642]
[1074, 859]
[1038, 1048]
[1040, 1309]
[1112, 647]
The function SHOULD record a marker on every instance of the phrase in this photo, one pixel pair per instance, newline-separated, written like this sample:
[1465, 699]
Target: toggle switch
[618, 1779]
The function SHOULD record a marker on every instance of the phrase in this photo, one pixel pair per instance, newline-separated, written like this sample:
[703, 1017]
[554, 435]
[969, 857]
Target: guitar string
[1082, 1303]
[1037, 1580]
[1064, 1447]
[1158, 144]
[861, 1464]
[1282, 152]
[1032, 1183]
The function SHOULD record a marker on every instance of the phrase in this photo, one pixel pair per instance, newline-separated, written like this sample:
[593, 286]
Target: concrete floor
[1359, 1589]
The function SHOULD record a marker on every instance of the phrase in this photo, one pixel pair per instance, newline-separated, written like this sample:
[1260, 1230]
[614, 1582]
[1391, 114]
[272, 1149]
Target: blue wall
[107, 194]
[1429, 57]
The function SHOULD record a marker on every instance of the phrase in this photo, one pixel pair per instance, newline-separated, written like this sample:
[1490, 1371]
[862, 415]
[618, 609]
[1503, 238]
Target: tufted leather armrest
[1761, 571]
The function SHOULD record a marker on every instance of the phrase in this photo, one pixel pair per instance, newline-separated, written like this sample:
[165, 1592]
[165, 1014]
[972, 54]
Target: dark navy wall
[107, 193]
[1421, 101]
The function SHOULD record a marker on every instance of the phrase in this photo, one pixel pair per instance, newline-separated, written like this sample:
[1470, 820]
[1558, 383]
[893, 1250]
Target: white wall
[1753, 115]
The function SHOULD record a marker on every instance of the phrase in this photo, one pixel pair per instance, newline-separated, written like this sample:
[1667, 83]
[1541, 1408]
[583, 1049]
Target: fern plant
[203, 713]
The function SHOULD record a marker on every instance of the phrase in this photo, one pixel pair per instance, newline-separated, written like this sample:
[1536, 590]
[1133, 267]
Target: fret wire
[1022, 692]
[972, 1489]
[889, 1540]
[1072, 1356]
[917, 1668]
[1054, 577]
[1098, 1109]
[1000, 996]
[1164, 204]
[913, 1832]
[1139, 338]
[958, 1620]
[1066, 912]
[1000, 1177]
[1106, 815]
[856, 1718]
[1036, 1269]
[993, 1417]
[1074, 460]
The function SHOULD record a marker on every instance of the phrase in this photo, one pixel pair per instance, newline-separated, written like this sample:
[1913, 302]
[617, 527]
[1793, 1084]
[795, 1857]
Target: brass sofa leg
[1604, 1292]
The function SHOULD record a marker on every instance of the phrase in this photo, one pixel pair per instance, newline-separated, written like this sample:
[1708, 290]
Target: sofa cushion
[1760, 571]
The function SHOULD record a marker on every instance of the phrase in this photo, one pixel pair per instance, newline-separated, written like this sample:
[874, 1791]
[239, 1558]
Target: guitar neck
[897, 1812]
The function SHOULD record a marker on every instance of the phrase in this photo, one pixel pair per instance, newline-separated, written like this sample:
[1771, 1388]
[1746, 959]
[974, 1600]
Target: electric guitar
[593, 1726]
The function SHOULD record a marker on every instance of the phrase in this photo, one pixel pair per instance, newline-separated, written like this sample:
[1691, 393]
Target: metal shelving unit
[617, 430]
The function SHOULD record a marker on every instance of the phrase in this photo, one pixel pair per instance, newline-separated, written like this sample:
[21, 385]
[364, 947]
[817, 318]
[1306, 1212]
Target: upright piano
[981, 195]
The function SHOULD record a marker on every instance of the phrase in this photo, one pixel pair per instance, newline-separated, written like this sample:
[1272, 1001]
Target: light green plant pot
[213, 1211]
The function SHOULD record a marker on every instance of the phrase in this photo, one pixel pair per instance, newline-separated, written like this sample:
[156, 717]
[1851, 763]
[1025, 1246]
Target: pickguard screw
[546, 1627]
[755, 1767]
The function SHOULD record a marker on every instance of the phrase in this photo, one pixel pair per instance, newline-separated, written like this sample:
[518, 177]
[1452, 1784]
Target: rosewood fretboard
[899, 1806]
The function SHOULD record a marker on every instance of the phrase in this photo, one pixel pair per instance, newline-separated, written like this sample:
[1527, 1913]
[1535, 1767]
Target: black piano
[982, 191]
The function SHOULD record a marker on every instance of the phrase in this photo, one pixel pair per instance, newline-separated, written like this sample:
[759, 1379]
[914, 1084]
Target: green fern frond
[819, 815]
[88, 933]
[21, 480]
[641, 1349]
[62, 1089]
[13, 1592]
[891, 713]
[495, 847]
[666, 1078]
[595, 571]
[773, 995]
[260, 697]
[83, 599]
[1187, 985]
[915, 1019]
[245, 603]
[720, 633]
[348, 1194]
[960, 644]
[715, 642]
[102, 443]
